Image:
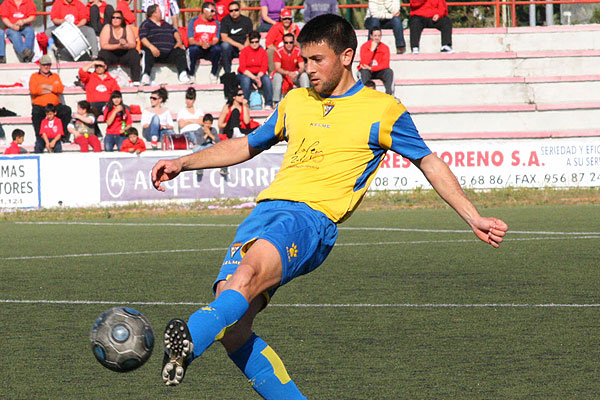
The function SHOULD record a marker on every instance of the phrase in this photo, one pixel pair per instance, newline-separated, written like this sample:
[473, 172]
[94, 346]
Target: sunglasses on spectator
[153, 98]
[283, 19]
[100, 66]
[286, 42]
[234, 9]
[254, 41]
[117, 17]
[210, 10]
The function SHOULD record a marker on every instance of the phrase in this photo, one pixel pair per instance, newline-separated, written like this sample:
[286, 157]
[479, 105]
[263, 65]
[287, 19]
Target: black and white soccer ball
[122, 339]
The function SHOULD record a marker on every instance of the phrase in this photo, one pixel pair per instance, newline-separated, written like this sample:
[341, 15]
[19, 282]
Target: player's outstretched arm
[489, 230]
[223, 154]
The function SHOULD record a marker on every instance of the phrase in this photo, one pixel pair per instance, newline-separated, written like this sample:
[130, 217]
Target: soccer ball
[122, 339]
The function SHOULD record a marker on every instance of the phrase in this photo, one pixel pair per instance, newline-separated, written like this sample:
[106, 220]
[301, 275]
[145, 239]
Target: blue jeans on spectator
[154, 130]
[2, 44]
[228, 53]
[16, 38]
[213, 54]
[267, 87]
[395, 23]
[111, 140]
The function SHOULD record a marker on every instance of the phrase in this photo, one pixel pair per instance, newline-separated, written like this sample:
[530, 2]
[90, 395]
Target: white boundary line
[345, 228]
[304, 305]
[126, 253]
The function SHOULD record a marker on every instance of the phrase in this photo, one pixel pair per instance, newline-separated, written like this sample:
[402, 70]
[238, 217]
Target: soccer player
[337, 132]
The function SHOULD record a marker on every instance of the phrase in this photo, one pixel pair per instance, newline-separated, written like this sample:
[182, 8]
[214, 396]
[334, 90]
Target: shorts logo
[292, 251]
[234, 248]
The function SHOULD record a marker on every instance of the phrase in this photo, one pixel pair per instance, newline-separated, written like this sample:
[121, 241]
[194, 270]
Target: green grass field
[394, 313]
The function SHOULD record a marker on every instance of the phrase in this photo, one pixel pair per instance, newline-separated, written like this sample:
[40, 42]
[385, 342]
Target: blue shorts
[304, 237]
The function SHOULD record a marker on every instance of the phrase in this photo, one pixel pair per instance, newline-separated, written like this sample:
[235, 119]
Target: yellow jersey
[335, 146]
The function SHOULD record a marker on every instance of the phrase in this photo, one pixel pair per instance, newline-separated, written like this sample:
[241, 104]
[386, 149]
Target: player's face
[323, 66]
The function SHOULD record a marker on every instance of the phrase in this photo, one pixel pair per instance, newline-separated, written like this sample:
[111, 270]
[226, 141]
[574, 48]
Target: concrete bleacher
[500, 82]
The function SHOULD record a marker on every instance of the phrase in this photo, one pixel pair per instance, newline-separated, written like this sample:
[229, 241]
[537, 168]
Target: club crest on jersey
[234, 248]
[327, 107]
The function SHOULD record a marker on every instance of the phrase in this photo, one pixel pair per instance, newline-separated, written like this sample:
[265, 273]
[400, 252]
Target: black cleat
[178, 352]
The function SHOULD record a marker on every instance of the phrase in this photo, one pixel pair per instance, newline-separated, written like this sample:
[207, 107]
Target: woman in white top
[190, 117]
[156, 119]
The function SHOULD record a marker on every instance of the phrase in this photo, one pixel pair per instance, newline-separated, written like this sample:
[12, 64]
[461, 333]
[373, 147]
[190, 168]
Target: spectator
[18, 137]
[289, 68]
[83, 128]
[118, 119]
[314, 8]
[45, 87]
[269, 12]
[254, 68]
[99, 85]
[385, 14]
[123, 6]
[222, 8]
[235, 117]
[133, 144]
[18, 15]
[118, 46]
[375, 61]
[207, 137]
[161, 42]
[169, 9]
[51, 131]
[235, 28]
[100, 14]
[156, 119]
[430, 14]
[189, 119]
[274, 39]
[203, 38]
[75, 12]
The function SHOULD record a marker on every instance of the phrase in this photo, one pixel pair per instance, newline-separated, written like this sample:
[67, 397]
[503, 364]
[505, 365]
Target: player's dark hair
[208, 117]
[330, 29]
[50, 108]
[85, 105]
[17, 133]
[151, 10]
[254, 35]
[162, 93]
[132, 131]
[190, 93]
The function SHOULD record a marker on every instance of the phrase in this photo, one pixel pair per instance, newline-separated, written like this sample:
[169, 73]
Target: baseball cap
[45, 59]
[285, 13]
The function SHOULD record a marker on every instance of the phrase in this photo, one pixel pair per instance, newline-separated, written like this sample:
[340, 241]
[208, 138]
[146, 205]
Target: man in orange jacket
[430, 14]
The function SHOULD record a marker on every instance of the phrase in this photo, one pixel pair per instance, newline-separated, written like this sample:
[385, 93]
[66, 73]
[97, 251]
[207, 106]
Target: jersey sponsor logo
[201, 28]
[292, 252]
[318, 125]
[101, 88]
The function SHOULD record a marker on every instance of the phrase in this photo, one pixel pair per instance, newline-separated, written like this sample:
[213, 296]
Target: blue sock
[265, 371]
[209, 323]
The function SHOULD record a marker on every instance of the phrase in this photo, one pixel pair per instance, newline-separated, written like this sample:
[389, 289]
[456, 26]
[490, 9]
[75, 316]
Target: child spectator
[133, 144]
[207, 137]
[51, 130]
[82, 128]
[18, 137]
[118, 119]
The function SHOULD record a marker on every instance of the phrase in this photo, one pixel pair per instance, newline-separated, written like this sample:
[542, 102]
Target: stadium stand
[501, 82]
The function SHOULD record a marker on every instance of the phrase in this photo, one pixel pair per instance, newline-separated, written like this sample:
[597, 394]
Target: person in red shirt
[18, 137]
[222, 9]
[289, 68]
[430, 14]
[75, 12]
[51, 131]
[118, 119]
[82, 127]
[133, 144]
[18, 15]
[254, 70]
[274, 39]
[375, 61]
[123, 6]
[100, 14]
[99, 84]
[204, 34]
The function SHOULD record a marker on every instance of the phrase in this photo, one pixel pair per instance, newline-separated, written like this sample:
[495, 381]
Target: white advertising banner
[20, 182]
[488, 164]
